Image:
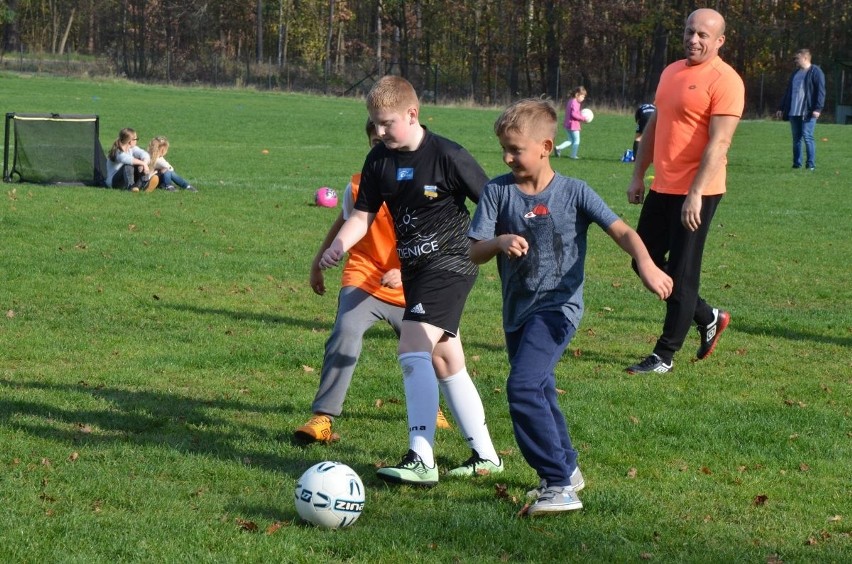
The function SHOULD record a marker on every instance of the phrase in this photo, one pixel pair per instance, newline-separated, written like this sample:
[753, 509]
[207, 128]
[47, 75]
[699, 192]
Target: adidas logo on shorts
[418, 309]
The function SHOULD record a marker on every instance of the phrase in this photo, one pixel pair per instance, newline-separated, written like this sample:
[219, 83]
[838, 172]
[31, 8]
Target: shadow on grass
[311, 325]
[149, 418]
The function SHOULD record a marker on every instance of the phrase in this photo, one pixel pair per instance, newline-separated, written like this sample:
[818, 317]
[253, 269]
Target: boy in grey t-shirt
[535, 222]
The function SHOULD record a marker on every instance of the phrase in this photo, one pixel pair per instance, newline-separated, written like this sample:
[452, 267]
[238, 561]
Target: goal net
[53, 149]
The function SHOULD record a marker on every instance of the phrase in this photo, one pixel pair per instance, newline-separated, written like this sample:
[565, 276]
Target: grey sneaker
[652, 363]
[476, 466]
[577, 483]
[555, 500]
[411, 470]
[190, 188]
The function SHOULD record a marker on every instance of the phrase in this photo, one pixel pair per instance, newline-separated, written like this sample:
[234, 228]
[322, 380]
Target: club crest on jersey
[404, 174]
[430, 191]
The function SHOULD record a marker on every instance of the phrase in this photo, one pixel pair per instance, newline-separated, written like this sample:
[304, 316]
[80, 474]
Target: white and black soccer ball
[330, 495]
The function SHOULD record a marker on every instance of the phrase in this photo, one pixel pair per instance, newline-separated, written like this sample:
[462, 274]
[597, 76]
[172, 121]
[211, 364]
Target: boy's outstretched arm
[352, 231]
[483, 251]
[652, 277]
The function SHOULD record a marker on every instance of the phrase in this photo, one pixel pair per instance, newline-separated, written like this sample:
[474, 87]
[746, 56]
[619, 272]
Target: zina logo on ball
[330, 495]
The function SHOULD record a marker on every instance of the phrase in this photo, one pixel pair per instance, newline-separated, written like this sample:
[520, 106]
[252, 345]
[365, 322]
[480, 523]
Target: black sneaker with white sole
[652, 363]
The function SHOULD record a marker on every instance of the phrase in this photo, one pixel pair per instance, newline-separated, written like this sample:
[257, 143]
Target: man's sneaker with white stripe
[577, 483]
[710, 333]
[652, 363]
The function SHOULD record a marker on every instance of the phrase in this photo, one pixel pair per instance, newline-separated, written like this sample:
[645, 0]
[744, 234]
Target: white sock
[421, 402]
[466, 406]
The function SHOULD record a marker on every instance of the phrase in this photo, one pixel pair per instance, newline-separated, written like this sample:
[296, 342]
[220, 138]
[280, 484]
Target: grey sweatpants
[357, 311]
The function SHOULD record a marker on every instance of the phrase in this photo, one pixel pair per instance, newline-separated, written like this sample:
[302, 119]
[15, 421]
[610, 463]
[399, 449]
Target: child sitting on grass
[158, 148]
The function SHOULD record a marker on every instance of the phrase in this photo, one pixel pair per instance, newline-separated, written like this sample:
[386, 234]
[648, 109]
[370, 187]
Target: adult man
[699, 103]
[802, 103]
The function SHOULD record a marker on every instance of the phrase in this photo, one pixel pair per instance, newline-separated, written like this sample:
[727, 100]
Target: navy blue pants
[678, 252]
[540, 428]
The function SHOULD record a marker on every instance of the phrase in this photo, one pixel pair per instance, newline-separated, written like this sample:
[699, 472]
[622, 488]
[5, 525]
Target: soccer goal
[53, 149]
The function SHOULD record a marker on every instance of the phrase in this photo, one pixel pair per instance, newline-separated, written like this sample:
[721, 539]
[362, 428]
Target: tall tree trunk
[259, 27]
[65, 34]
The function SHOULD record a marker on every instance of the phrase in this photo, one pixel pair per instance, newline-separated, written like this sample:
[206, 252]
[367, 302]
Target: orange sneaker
[317, 429]
[441, 422]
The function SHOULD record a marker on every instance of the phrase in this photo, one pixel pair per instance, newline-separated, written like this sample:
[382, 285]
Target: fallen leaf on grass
[379, 403]
[524, 510]
[245, 525]
[307, 368]
[10, 314]
[73, 456]
[835, 519]
[760, 500]
[804, 467]
[646, 556]
[83, 428]
[501, 491]
[271, 529]
[634, 419]
[632, 473]
[560, 392]
[705, 470]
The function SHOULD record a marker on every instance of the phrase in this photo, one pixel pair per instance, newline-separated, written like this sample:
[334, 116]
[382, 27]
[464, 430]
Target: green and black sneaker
[410, 470]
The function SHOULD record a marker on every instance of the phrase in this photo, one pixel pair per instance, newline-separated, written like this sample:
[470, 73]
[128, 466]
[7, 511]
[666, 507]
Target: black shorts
[437, 297]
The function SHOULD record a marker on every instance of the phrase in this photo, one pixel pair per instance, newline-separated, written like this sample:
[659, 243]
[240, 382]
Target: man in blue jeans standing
[802, 103]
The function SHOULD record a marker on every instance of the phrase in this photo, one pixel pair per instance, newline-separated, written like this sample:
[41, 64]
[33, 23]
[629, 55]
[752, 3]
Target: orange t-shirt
[373, 255]
[687, 97]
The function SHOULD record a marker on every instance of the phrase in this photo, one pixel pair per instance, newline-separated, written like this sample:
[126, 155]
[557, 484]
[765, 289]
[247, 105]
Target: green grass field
[159, 349]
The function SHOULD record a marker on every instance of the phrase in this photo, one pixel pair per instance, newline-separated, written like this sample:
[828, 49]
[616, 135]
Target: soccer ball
[326, 197]
[588, 114]
[330, 495]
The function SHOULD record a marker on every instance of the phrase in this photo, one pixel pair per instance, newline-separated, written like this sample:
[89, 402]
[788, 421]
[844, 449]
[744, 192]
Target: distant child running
[371, 291]
[424, 179]
[572, 123]
[535, 222]
[169, 178]
[642, 116]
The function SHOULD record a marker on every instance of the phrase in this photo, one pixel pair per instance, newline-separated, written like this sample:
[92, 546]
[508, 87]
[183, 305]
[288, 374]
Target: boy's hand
[655, 279]
[331, 257]
[317, 280]
[392, 278]
[513, 245]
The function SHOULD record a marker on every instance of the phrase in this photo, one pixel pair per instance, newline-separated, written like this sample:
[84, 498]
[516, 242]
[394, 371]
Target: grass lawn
[159, 349]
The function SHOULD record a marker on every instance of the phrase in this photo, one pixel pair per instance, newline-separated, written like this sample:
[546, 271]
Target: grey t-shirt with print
[555, 223]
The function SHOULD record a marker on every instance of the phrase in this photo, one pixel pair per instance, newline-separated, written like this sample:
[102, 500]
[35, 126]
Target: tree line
[484, 51]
